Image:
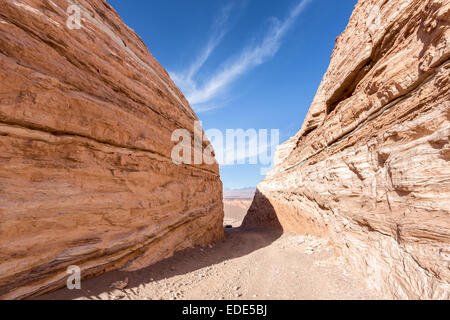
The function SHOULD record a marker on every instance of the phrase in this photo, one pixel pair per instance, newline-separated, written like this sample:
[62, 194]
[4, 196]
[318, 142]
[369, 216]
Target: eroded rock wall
[86, 175]
[370, 167]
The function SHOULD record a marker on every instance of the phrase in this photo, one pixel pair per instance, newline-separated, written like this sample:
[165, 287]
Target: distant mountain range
[242, 193]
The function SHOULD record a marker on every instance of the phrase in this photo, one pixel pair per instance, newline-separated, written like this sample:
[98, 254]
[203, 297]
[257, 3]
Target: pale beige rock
[86, 176]
[370, 169]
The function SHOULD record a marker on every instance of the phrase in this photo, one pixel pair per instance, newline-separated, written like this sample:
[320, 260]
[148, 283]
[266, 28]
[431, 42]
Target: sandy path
[247, 264]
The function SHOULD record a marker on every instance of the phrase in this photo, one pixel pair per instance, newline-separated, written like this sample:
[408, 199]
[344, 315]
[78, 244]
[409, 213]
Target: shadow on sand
[238, 242]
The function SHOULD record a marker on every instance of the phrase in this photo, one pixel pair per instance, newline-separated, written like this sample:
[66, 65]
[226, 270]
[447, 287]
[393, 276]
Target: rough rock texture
[86, 176]
[370, 167]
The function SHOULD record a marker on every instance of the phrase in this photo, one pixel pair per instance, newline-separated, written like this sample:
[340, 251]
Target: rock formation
[370, 169]
[86, 176]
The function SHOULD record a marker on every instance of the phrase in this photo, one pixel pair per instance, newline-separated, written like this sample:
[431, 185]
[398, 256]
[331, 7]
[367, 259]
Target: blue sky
[242, 63]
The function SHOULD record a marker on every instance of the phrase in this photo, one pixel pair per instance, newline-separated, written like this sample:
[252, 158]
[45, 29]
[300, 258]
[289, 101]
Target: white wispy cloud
[185, 79]
[249, 58]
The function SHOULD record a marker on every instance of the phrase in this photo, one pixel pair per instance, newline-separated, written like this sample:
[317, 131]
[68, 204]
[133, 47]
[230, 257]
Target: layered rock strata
[86, 175]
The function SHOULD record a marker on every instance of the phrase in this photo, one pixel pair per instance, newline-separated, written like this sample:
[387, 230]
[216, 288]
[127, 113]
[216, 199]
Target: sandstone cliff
[370, 169]
[86, 176]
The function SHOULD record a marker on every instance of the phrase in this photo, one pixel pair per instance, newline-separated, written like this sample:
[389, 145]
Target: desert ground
[247, 264]
[235, 211]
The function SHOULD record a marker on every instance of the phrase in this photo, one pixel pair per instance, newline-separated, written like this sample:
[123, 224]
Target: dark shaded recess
[349, 85]
[261, 214]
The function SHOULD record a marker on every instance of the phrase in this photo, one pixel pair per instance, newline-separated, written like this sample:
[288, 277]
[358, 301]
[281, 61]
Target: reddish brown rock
[86, 176]
[370, 169]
